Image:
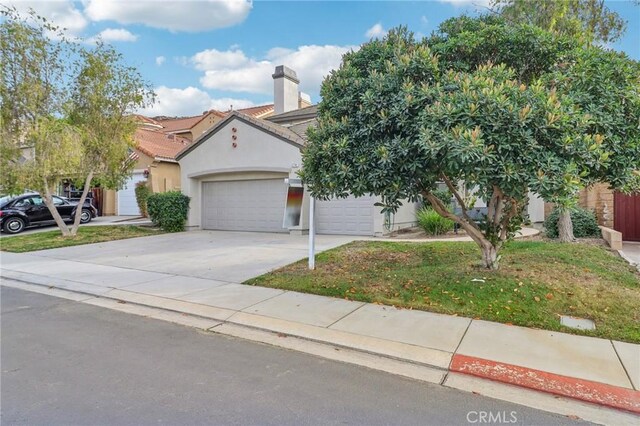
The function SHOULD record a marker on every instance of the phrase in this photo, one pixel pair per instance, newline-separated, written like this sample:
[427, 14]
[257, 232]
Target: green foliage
[65, 110]
[606, 85]
[169, 210]
[102, 100]
[473, 105]
[142, 195]
[464, 43]
[590, 20]
[432, 222]
[584, 223]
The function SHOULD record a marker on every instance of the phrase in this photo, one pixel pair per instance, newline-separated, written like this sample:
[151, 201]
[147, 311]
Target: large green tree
[601, 83]
[590, 20]
[65, 111]
[393, 122]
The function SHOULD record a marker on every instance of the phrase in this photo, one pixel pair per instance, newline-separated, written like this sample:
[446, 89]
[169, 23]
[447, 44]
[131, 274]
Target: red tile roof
[185, 123]
[159, 145]
[141, 119]
[256, 111]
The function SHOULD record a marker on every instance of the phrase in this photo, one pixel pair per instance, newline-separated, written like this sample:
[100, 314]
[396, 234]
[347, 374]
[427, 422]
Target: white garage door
[348, 216]
[127, 204]
[244, 205]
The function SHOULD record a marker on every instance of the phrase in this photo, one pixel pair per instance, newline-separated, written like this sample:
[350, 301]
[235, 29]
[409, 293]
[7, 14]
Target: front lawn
[86, 235]
[537, 282]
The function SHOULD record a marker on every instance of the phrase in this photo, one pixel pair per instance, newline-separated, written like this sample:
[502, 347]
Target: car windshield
[4, 199]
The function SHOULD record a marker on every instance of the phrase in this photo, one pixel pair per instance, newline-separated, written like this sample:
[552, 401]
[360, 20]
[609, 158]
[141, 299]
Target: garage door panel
[127, 204]
[346, 216]
[247, 205]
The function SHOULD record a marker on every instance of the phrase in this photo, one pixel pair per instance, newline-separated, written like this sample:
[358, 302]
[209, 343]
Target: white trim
[204, 173]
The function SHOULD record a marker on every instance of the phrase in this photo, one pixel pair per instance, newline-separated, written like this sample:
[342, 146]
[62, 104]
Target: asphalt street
[69, 363]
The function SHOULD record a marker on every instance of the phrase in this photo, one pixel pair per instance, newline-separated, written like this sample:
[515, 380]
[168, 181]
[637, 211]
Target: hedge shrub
[142, 195]
[584, 223]
[432, 222]
[168, 210]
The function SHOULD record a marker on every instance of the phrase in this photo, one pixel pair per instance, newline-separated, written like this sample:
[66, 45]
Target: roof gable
[273, 129]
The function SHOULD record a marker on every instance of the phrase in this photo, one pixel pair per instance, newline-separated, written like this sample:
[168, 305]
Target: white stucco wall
[535, 209]
[405, 217]
[257, 154]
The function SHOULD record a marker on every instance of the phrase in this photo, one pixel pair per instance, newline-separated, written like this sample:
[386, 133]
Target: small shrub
[432, 222]
[168, 210]
[142, 194]
[584, 223]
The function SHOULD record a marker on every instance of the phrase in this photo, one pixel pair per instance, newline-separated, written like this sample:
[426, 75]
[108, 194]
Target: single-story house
[157, 143]
[235, 175]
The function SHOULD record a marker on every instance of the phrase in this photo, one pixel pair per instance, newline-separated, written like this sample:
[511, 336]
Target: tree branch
[455, 193]
[83, 197]
[48, 201]
[471, 228]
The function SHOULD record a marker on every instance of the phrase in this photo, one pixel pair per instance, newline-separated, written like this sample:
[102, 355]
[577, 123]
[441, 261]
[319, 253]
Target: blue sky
[213, 54]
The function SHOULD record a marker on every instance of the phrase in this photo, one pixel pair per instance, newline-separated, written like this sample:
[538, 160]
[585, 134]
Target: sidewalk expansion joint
[345, 315]
[257, 303]
[623, 366]
[455, 351]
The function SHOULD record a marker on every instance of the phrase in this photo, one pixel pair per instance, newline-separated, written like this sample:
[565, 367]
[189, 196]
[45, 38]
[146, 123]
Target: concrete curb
[580, 389]
[434, 365]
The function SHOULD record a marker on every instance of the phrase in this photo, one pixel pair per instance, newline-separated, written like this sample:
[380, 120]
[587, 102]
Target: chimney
[285, 89]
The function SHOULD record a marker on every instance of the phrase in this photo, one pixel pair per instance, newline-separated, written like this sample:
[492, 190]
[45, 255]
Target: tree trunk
[48, 201]
[489, 251]
[83, 197]
[565, 227]
[490, 257]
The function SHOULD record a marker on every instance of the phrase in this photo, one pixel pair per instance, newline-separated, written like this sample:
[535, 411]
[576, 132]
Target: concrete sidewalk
[595, 370]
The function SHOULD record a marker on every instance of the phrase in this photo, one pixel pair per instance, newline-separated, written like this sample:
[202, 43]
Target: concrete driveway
[218, 255]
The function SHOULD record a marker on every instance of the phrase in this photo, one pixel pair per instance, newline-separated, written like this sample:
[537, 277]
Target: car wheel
[85, 216]
[13, 225]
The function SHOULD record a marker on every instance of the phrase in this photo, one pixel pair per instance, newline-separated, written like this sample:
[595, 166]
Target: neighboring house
[235, 175]
[190, 127]
[612, 209]
[155, 162]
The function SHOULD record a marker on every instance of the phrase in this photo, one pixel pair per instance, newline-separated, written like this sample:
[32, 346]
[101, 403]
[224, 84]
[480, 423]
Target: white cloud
[160, 60]
[213, 59]
[424, 20]
[62, 13]
[175, 102]
[188, 16]
[377, 31]
[114, 34]
[253, 75]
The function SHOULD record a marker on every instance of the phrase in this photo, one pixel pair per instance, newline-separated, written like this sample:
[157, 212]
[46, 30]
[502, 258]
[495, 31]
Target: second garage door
[347, 216]
[127, 204]
[244, 205]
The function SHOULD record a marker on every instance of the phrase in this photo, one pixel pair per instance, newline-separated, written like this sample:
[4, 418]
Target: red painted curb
[584, 390]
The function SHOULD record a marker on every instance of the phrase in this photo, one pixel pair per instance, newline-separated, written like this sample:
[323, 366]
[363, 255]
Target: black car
[22, 211]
